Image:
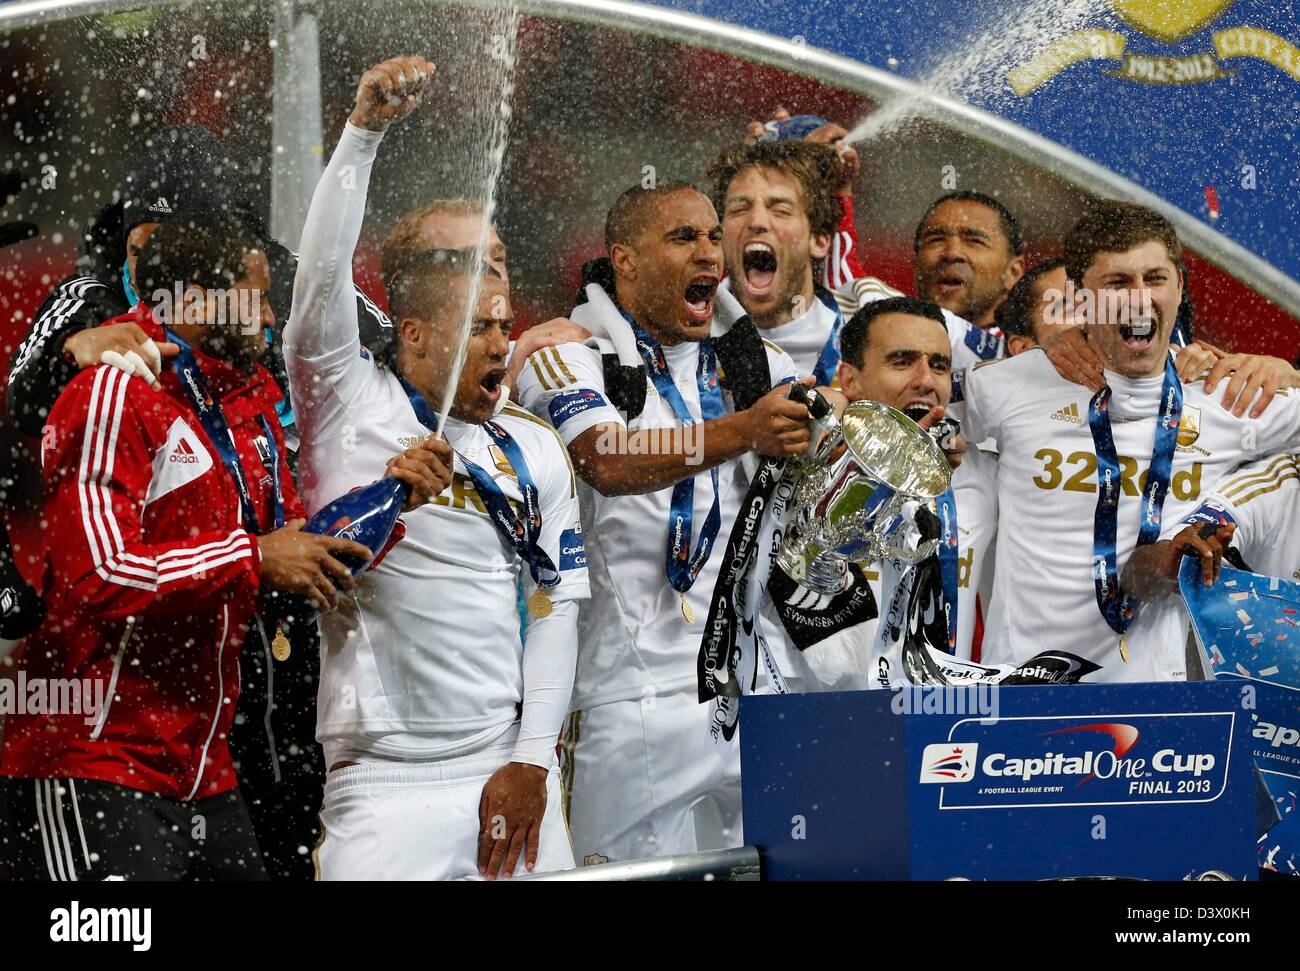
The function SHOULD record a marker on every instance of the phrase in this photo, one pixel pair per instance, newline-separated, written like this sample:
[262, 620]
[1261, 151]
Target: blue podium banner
[1148, 781]
[1249, 627]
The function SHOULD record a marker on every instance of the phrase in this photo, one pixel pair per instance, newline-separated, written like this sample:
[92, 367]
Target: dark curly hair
[815, 167]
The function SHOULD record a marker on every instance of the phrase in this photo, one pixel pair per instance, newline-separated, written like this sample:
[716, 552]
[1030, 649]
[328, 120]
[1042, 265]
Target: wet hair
[627, 216]
[815, 167]
[1019, 310]
[1009, 223]
[856, 333]
[424, 284]
[405, 241]
[1117, 227]
[206, 253]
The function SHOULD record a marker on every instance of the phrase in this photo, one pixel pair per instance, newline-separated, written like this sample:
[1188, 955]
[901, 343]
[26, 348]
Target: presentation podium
[1143, 781]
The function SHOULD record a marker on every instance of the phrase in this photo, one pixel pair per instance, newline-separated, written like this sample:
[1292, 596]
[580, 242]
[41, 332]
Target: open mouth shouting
[951, 282]
[760, 269]
[490, 385]
[699, 298]
[1138, 336]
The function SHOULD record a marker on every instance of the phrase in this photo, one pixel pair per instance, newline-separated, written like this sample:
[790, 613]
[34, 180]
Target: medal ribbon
[523, 536]
[946, 505]
[1115, 605]
[829, 358]
[682, 565]
[213, 419]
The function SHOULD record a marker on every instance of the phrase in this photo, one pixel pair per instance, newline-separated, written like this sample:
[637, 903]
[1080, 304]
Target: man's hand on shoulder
[124, 346]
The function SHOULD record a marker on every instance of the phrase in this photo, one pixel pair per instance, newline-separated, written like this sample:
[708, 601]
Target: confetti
[1268, 672]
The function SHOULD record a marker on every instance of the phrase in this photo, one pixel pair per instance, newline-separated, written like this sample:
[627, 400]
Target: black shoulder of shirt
[38, 371]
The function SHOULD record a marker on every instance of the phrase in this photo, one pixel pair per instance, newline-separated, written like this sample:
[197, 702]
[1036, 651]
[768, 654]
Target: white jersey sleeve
[986, 397]
[330, 376]
[780, 365]
[565, 385]
[1278, 429]
[1263, 499]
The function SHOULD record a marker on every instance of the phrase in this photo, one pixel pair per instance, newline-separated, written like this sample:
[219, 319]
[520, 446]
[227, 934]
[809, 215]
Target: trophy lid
[895, 450]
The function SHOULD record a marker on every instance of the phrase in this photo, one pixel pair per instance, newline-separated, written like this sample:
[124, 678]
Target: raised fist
[391, 90]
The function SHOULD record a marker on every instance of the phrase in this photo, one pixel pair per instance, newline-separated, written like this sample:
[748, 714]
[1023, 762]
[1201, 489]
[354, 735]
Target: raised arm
[324, 317]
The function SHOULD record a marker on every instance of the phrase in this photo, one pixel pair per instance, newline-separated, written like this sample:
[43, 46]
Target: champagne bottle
[792, 129]
[367, 515]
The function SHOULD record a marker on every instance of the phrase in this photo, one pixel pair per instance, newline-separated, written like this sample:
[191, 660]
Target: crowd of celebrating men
[512, 683]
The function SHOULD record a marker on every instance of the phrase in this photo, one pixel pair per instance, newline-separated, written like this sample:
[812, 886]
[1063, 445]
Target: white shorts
[419, 820]
[644, 778]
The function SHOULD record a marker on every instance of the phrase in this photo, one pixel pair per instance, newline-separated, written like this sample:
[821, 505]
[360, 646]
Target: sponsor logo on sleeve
[986, 345]
[568, 404]
[573, 554]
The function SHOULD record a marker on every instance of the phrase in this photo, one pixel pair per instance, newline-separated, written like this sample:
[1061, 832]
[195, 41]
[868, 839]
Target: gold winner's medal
[1123, 648]
[280, 645]
[539, 604]
[687, 611]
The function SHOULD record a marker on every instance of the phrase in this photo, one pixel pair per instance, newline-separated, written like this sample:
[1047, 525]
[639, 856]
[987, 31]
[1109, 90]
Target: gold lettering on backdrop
[1082, 45]
[1150, 69]
[1168, 22]
[1260, 44]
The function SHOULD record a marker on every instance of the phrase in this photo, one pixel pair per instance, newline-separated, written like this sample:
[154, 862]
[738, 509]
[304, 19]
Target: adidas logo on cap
[183, 454]
[1070, 414]
[162, 205]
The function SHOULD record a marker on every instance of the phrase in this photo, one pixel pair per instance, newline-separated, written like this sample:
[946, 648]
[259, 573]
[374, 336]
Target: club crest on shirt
[500, 461]
[1189, 429]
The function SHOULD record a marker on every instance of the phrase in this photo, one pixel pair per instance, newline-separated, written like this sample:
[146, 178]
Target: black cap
[182, 171]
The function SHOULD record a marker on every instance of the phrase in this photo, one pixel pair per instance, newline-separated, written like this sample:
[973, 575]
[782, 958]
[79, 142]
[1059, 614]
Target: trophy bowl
[850, 507]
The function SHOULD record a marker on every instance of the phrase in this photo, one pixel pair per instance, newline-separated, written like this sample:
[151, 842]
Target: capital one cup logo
[947, 763]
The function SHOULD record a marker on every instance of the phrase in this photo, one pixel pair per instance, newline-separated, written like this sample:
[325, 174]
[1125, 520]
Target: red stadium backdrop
[715, 95]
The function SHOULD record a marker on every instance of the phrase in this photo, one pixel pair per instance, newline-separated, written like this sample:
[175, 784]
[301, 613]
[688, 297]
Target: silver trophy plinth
[850, 508]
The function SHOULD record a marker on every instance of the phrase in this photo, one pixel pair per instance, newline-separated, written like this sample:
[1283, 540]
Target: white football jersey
[804, 337]
[1263, 499]
[633, 639]
[975, 487]
[424, 659]
[429, 642]
[971, 345]
[1043, 593]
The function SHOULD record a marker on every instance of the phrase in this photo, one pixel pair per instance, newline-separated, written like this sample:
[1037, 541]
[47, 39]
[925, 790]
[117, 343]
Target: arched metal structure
[824, 67]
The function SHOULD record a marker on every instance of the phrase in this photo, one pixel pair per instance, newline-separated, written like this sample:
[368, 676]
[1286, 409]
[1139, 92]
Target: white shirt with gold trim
[1263, 499]
[633, 641]
[1043, 592]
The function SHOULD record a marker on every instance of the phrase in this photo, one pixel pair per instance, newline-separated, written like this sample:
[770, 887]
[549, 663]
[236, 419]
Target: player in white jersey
[439, 731]
[1058, 561]
[661, 480]
[896, 351]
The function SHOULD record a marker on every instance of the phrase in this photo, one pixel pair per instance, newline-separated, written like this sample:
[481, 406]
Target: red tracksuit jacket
[151, 579]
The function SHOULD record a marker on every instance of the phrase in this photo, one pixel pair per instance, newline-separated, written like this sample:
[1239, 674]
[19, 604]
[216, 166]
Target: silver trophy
[851, 507]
